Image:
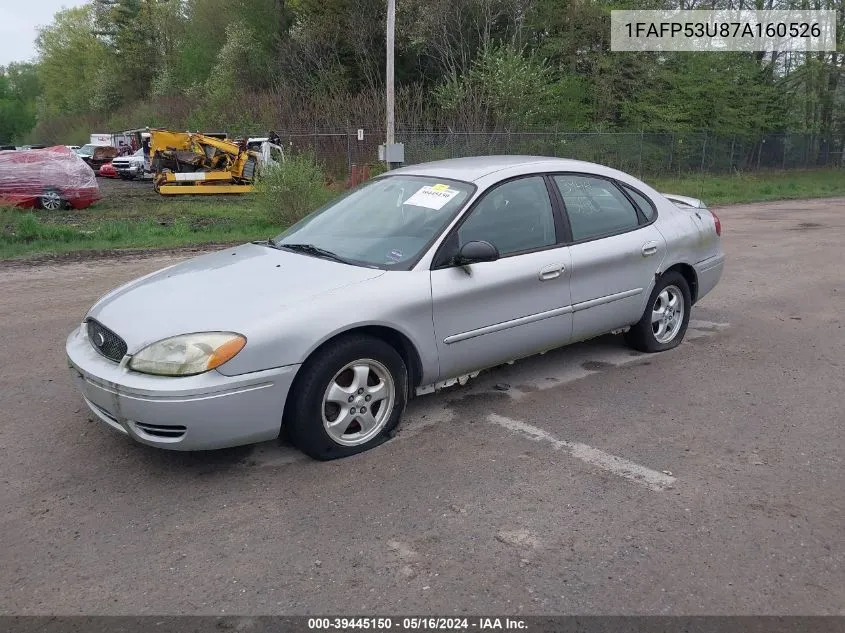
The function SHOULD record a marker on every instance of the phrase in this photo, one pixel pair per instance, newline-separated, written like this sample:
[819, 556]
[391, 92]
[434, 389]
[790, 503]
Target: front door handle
[649, 248]
[551, 272]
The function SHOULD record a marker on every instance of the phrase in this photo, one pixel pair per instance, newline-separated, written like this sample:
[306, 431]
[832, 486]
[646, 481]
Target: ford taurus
[425, 275]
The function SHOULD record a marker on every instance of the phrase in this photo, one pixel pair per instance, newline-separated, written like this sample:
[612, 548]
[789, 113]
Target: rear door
[615, 249]
[491, 312]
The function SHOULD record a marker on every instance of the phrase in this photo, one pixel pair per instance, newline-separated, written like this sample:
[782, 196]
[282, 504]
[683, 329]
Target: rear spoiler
[685, 202]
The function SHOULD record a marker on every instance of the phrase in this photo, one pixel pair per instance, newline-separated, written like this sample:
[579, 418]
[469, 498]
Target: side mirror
[474, 252]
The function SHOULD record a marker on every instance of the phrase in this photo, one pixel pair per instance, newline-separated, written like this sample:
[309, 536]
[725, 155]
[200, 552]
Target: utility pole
[391, 72]
[390, 152]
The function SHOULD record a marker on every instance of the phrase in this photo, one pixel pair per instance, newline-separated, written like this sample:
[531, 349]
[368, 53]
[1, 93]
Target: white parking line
[652, 479]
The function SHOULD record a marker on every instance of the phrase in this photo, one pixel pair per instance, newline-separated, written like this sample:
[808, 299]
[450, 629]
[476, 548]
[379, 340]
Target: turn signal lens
[226, 352]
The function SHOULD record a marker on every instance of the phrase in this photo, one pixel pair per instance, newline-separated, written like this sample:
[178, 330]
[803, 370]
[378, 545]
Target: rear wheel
[666, 316]
[51, 200]
[347, 399]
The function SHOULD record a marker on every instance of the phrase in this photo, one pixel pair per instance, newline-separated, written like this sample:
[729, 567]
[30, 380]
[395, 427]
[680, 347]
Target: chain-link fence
[639, 153]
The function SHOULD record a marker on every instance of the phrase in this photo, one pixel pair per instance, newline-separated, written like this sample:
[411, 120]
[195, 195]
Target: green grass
[759, 187]
[141, 219]
[25, 234]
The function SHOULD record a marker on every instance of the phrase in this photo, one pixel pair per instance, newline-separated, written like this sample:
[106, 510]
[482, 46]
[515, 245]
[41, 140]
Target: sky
[19, 21]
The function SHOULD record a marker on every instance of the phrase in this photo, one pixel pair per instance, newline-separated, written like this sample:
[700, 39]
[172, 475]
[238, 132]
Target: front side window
[516, 216]
[386, 222]
[595, 207]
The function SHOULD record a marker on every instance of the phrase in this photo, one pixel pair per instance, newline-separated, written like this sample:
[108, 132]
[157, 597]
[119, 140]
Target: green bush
[287, 193]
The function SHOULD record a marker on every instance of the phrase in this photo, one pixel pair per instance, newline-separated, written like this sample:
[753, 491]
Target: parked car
[131, 167]
[95, 156]
[108, 171]
[51, 179]
[418, 278]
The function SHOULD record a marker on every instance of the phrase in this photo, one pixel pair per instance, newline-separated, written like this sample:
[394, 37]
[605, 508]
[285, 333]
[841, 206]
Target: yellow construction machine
[192, 163]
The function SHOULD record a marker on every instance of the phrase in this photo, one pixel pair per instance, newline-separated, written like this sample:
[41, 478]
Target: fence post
[783, 160]
[731, 160]
[316, 162]
[348, 150]
[671, 153]
[640, 167]
[703, 152]
[760, 152]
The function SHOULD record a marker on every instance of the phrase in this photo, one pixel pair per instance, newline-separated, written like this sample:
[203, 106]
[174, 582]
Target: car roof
[475, 167]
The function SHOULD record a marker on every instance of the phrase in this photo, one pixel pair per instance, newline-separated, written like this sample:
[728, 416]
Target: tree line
[253, 65]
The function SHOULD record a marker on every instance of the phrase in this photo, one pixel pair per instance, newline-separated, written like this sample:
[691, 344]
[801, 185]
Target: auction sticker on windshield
[432, 196]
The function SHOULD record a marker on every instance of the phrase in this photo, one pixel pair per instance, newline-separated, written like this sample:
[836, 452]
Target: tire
[317, 419]
[668, 331]
[51, 200]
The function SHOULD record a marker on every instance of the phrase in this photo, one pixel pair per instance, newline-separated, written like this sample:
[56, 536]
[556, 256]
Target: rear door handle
[649, 248]
[551, 272]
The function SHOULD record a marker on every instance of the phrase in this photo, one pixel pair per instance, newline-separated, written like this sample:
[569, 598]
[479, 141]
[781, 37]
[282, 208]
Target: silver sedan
[412, 281]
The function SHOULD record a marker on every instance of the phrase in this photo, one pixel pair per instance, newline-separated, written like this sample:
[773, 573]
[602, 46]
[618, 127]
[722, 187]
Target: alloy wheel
[358, 402]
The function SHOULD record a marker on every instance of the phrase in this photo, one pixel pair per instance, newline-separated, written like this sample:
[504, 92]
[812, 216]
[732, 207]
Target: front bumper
[128, 169]
[202, 412]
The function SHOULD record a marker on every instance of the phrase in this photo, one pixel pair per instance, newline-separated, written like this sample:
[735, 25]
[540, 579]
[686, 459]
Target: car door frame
[440, 261]
[643, 222]
[561, 223]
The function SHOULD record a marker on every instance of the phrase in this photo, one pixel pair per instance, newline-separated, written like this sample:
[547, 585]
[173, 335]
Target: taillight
[718, 224]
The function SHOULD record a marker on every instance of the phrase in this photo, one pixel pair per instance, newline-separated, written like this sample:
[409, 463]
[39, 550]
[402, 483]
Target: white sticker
[432, 197]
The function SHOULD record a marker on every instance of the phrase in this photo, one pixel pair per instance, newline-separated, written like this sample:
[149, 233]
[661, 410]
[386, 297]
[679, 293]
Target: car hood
[231, 290]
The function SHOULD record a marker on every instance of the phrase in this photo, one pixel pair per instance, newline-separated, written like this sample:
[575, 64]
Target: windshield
[86, 149]
[386, 222]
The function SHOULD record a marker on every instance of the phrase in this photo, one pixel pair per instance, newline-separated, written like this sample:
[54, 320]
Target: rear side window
[643, 203]
[595, 207]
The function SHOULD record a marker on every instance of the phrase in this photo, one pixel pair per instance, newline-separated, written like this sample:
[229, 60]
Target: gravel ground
[488, 500]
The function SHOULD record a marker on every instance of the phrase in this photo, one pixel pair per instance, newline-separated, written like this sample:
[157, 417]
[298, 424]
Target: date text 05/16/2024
[416, 624]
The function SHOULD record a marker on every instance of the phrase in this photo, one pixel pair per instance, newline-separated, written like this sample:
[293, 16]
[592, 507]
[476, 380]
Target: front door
[491, 312]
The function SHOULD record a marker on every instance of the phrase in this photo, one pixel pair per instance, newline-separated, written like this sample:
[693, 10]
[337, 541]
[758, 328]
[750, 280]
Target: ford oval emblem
[99, 339]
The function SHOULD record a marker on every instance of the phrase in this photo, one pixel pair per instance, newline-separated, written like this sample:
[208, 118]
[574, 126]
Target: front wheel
[347, 399]
[667, 313]
[51, 200]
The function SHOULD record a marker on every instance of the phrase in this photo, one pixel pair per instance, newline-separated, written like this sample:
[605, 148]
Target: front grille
[105, 341]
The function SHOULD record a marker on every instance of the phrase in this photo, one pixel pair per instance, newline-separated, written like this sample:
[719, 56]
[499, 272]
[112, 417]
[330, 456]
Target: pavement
[591, 480]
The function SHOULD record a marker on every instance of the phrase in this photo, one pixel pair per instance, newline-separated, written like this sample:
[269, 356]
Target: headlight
[188, 354]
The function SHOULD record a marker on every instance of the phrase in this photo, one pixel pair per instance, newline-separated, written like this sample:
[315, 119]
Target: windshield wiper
[316, 251]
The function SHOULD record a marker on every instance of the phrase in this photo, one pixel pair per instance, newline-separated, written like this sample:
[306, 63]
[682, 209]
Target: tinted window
[595, 207]
[643, 203]
[515, 216]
